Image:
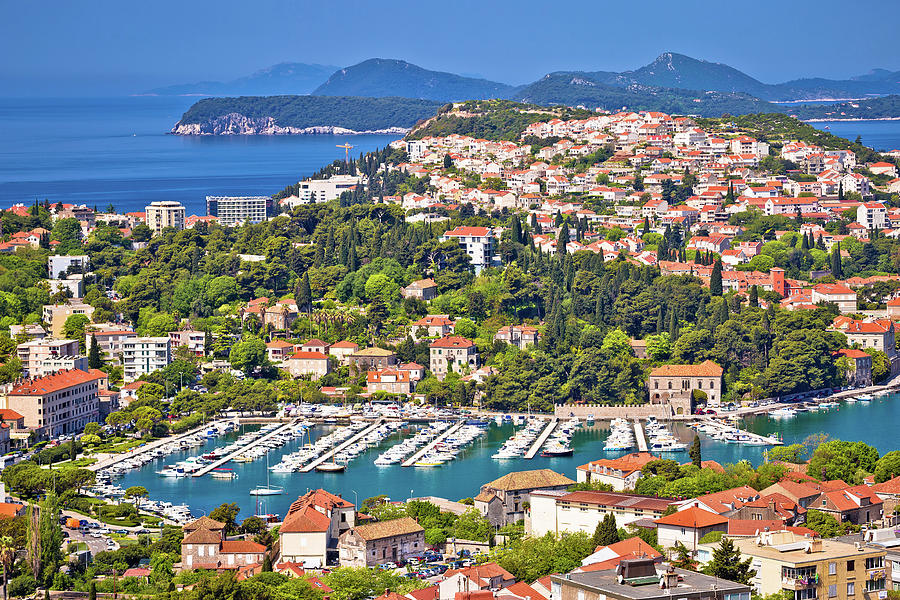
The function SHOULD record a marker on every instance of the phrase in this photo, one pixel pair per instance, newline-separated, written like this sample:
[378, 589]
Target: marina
[639, 436]
[542, 438]
[244, 449]
[320, 460]
[462, 475]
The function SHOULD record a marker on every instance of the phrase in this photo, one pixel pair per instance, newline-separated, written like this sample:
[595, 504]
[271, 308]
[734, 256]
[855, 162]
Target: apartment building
[381, 542]
[478, 242]
[141, 355]
[237, 210]
[55, 315]
[33, 354]
[57, 404]
[164, 214]
[59, 266]
[110, 341]
[194, 341]
[811, 568]
[55, 364]
[872, 215]
[323, 190]
[312, 527]
[392, 381]
[504, 500]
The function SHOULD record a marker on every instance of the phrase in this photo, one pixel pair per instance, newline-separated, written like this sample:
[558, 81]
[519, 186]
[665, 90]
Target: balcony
[799, 583]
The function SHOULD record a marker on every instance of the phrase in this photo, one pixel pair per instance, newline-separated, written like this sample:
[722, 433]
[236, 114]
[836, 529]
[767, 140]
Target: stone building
[671, 381]
[452, 353]
[57, 404]
[205, 547]
[860, 372]
[424, 289]
[381, 542]
[518, 335]
[504, 500]
[312, 528]
[371, 359]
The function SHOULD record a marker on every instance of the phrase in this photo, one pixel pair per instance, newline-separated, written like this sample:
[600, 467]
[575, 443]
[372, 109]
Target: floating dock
[221, 461]
[542, 439]
[639, 436]
[430, 445]
[346, 443]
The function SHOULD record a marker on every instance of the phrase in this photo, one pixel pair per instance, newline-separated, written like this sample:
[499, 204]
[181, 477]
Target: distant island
[296, 115]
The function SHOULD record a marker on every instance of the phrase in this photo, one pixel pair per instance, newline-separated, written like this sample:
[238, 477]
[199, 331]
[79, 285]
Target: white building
[142, 355]
[872, 215]
[54, 364]
[558, 511]
[165, 214]
[34, 353]
[478, 243]
[323, 190]
[59, 266]
[237, 210]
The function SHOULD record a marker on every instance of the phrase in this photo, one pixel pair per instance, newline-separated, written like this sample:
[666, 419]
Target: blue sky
[60, 47]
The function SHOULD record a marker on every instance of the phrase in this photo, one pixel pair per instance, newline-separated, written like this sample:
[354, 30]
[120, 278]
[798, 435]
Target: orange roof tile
[692, 517]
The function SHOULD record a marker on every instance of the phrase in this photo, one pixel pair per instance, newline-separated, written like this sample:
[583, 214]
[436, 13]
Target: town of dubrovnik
[616, 318]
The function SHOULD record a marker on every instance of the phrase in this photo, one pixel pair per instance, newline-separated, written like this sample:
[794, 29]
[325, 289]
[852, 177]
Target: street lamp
[355, 499]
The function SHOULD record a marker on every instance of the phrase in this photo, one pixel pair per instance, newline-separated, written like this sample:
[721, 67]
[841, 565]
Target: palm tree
[7, 556]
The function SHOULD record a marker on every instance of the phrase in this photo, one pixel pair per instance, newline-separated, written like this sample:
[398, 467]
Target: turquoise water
[116, 151]
[874, 423]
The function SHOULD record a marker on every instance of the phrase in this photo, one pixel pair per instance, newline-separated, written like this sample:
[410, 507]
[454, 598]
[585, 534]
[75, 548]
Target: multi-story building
[838, 293]
[59, 265]
[54, 364]
[55, 315]
[622, 473]
[452, 353]
[110, 341]
[423, 289]
[142, 355]
[312, 527]
[205, 547]
[860, 372]
[432, 326]
[164, 214]
[478, 243]
[324, 190]
[381, 542]
[669, 381]
[392, 381]
[73, 286]
[33, 354]
[57, 404]
[314, 364]
[872, 215]
[370, 359]
[642, 579]
[343, 350]
[877, 334]
[237, 210]
[562, 511]
[520, 336]
[504, 500]
[194, 341]
[809, 567]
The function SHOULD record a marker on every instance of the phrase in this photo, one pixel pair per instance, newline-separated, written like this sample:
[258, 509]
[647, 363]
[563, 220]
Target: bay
[116, 151]
[880, 135]
[873, 423]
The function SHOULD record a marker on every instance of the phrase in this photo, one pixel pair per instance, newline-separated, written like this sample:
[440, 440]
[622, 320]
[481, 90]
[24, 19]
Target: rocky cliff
[238, 124]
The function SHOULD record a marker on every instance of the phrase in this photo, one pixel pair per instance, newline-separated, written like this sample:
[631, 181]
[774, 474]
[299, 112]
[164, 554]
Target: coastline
[238, 124]
[851, 119]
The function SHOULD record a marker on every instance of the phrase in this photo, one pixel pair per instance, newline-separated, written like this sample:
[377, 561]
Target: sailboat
[331, 467]
[266, 491]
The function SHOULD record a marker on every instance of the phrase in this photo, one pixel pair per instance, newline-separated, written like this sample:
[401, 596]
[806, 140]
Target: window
[874, 584]
[875, 562]
[580, 594]
[850, 565]
[832, 568]
[832, 590]
[851, 588]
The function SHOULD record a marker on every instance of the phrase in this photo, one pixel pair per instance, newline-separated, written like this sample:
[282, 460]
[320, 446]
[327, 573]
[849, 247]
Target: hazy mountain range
[670, 74]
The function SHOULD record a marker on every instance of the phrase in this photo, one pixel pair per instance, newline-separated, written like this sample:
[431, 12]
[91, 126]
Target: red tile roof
[452, 341]
[309, 356]
[40, 386]
[468, 232]
[692, 517]
[241, 547]
[705, 369]
[305, 520]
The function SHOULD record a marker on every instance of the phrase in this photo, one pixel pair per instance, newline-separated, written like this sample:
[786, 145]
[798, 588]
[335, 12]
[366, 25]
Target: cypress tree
[660, 319]
[95, 361]
[696, 456]
[516, 230]
[754, 297]
[646, 226]
[352, 260]
[715, 280]
[563, 239]
[673, 326]
[606, 532]
[303, 293]
[804, 244]
[836, 261]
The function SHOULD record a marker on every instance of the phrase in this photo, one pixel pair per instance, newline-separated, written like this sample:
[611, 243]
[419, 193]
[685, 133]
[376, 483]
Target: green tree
[837, 459]
[73, 328]
[617, 343]
[887, 467]
[226, 513]
[715, 280]
[606, 532]
[793, 453]
[303, 293]
[726, 564]
[824, 524]
[696, 456]
[136, 492]
[248, 354]
[683, 558]
[95, 360]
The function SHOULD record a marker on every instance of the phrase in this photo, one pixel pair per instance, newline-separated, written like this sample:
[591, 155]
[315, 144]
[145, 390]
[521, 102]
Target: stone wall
[675, 407]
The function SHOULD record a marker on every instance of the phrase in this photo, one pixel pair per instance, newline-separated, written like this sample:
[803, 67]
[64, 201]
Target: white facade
[236, 210]
[478, 243]
[872, 215]
[58, 266]
[324, 190]
[165, 214]
[142, 355]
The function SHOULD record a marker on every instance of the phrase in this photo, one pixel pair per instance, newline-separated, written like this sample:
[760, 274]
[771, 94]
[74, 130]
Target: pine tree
[753, 300]
[715, 280]
[696, 457]
[95, 361]
[726, 564]
[606, 532]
